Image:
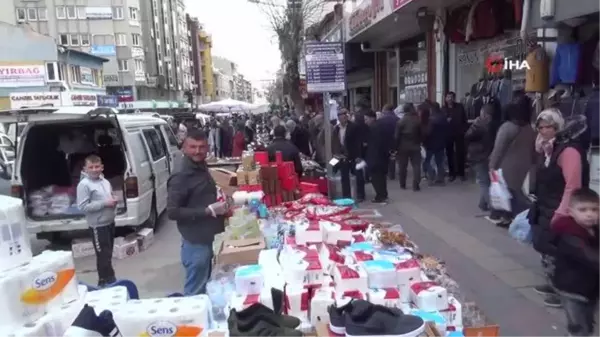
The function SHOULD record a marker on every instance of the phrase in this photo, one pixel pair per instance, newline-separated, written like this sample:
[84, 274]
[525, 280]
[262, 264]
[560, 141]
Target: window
[157, 151]
[75, 74]
[52, 71]
[123, 65]
[133, 13]
[81, 14]
[85, 39]
[117, 13]
[74, 39]
[139, 66]
[61, 12]
[121, 39]
[21, 15]
[170, 136]
[32, 14]
[136, 39]
[71, 12]
[64, 39]
[42, 14]
[136, 141]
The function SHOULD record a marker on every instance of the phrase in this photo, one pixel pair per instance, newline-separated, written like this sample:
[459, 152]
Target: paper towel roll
[45, 284]
[184, 316]
[15, 247]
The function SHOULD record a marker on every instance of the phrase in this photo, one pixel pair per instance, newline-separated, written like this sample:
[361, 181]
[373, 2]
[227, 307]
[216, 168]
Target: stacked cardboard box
[279, 179]
[248, 174]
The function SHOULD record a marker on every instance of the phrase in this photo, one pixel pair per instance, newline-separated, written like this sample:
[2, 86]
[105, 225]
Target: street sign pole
[327, 132]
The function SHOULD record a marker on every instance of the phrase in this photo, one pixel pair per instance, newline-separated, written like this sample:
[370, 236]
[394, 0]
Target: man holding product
[192, 203]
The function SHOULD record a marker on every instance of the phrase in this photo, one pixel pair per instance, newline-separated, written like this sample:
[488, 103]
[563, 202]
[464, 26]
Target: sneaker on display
[257, 311]
[367, 319]
[263, 325]
[337, 317]
[89, 324]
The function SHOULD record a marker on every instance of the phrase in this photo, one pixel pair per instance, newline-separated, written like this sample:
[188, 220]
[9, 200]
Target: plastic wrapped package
[39, 201]
[242, 225]
[59, 203]
[219, 290]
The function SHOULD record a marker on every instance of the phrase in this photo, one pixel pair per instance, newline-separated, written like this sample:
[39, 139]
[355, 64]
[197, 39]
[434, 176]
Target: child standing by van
[95, 199]
[576, 274]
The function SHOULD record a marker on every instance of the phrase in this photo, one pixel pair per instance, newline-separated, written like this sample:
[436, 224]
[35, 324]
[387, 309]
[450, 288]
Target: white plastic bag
[520, 229]
[499, 194]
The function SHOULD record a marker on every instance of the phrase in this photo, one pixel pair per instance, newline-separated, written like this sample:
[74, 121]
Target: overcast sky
[240, 33]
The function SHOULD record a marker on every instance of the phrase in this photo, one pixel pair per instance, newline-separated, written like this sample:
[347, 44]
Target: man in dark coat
[378, 155]
[346, 144]
[455, 148]
[389, 120]
[289, 151]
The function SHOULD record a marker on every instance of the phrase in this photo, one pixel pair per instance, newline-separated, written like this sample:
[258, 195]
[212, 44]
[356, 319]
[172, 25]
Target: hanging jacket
[483, 21]
[536, 77]
[565, 64]
[592, 114]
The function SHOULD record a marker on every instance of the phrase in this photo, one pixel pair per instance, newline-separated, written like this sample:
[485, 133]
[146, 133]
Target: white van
[138, 152]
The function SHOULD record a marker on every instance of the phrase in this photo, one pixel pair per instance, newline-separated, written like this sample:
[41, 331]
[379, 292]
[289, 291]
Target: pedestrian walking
[192, 203]
[455, 148]
[408, 138]
[95, 199]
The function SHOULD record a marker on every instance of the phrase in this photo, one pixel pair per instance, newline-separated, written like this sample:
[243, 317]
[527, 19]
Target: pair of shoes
[259, 320]
[379, 201]
[544, 289]
[362, 318]
[87, 323]
[493, 219]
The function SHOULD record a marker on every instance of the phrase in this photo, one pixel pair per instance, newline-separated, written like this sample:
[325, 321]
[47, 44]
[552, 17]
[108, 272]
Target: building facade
[36, 71]
[206, 65]
[224, 85]
[194, 28]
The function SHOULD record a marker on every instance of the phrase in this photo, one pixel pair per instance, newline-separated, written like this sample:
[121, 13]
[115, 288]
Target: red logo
[494, 64]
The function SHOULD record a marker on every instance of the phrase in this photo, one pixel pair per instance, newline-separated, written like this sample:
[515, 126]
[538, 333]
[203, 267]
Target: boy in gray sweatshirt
[95, 199]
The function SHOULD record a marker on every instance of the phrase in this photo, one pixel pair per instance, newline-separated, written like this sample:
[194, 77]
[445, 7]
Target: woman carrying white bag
[512, 158]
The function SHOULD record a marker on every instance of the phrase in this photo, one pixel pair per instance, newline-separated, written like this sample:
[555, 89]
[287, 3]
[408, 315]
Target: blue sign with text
[103, 50]
[108, 101]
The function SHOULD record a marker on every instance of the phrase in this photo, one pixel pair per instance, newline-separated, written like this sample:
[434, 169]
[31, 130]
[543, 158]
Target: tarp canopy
[227, 105]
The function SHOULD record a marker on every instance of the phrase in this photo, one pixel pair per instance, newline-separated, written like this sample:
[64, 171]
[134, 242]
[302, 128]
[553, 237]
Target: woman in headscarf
[239, 140]
[514, 154]
[562, 168]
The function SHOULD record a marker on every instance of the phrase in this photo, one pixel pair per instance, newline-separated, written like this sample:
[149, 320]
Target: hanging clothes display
[537, 77]
[565, 64]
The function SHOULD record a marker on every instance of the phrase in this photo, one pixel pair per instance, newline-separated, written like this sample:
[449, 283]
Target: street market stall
[290, 262]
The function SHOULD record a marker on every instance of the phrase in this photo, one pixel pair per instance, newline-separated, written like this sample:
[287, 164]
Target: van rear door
[160, 166]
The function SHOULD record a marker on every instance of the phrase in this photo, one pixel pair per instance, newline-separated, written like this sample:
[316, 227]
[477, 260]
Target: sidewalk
[494, 270]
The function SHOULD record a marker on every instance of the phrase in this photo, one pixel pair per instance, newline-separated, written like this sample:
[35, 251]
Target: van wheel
[152, 221]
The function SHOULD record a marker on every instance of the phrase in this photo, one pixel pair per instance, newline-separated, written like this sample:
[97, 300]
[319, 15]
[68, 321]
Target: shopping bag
[423, 153]
[499, 194]
[520, 229]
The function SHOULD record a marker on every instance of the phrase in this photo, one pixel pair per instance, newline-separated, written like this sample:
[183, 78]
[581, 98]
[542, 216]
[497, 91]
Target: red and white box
[334, 233]
[354, 257]
[330, 256]
[249, 280]
[429, 296]
[323, 297]
[308, 232]
[306, 271]
[350, 278]
[240, 302]
[296, 300]
[358, 237]
[388, 297]
[381, 273]
[453, 314]
[407, 273]
[342, 299]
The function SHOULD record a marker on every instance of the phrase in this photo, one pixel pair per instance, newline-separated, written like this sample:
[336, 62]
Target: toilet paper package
[302, 265]
[107, 299]
[41, 286]
[323, 297]
[357, 256]
[350, 278]
[178, 316]
[297, 302]
[330, 255]
[249, 280]
[268, 257]
[454, 313]
[380, 273]
[334, 233]
[308, 232]
[388, 297]
[15, 247]
[342, 299]
[241, 302]
[407, 273]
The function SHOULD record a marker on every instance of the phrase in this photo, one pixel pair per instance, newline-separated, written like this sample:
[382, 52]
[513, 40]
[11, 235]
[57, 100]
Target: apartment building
[195, 27]
[243, 89]
[206, 65]
[168, 49]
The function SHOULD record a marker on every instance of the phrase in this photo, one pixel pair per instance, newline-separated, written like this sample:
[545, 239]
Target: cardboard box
[82, 248]
[125, 247]
[253, 177]
[242, 177]
[223, 177]
[145, 238]
[244, 251]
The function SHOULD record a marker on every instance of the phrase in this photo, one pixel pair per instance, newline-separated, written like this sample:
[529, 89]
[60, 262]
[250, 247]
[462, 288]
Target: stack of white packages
[40, 295]
[177, 316]
[107, 298]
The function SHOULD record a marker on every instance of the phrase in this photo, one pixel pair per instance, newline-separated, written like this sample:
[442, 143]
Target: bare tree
[275, 90]
[289, 19]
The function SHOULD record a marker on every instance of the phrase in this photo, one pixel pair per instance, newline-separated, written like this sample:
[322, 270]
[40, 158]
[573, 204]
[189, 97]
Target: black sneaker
[367, 319]
[88, 323]
[264, 325]
[544, 289]
[247, 317]
[337, 317]
[380, 201]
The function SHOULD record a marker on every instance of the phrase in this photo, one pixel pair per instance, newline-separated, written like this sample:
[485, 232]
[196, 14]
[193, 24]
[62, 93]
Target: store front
[413, 75]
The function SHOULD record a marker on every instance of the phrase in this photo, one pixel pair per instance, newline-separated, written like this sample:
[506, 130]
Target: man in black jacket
[378, 156]
[192, 203]
[346, 144]
[455, 148]
[289, 151]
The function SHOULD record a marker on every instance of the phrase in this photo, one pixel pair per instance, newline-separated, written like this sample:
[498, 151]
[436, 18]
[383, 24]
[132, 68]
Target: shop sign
[22, 76]
[111, 78]
[98, 13]
[103, 50]
[125, 95]
[34, 99]
[84, 99]
[87, 76]
[363, 17]
[109, 101]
